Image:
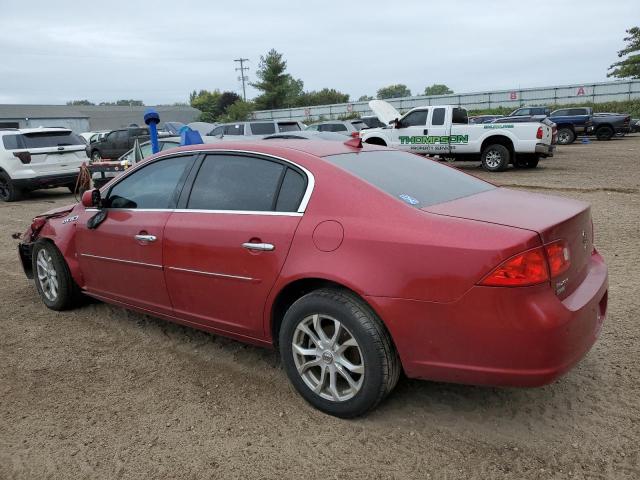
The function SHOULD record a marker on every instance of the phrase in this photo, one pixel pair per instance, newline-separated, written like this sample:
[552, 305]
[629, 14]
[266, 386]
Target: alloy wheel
[493, 159]
[328, 358]
[47, 275]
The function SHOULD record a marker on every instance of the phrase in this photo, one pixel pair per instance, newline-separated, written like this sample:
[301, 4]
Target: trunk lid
[552, 218]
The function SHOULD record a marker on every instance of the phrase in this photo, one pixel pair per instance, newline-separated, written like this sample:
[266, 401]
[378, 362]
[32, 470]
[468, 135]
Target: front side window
[560, 113]
[216, 132]
[152, 186]
[288, 126]
[415, 119]
[313, 128]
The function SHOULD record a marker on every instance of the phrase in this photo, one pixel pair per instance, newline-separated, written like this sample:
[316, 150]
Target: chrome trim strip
[119, 260]
[211, 274]
[311, 180]
[192, 210]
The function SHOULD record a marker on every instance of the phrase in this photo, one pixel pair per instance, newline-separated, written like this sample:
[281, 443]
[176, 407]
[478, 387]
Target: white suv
[34, 158]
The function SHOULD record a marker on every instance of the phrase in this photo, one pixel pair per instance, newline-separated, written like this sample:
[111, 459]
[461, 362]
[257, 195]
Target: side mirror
[91, 198]
[395, 123]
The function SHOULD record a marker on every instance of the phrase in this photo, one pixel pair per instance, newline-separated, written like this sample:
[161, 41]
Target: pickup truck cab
[571, 122]
[116, 143]
[444, 130]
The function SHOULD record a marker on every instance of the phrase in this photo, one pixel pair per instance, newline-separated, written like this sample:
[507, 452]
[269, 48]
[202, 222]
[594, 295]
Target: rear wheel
[53, 279]
[95, 156]
[605, 133]
[8, 191]
[495, 158]
[337, 353]
[532, 163]
[566, 136]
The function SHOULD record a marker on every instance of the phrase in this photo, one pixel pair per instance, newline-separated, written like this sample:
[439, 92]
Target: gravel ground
[100, 392]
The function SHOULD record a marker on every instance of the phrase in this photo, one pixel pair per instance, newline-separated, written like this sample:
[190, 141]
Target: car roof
[318, 148]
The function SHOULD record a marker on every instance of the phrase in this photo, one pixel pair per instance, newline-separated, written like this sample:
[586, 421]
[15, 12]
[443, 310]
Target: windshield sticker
[409, 199]
[498, 125]
[423, 139]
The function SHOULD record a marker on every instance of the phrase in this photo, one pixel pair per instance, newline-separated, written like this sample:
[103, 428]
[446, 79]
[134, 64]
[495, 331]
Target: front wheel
[337, 353]
[53, 279]
[495, 158]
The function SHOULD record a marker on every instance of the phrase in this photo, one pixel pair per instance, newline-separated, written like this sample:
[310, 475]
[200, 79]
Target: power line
[243, 77]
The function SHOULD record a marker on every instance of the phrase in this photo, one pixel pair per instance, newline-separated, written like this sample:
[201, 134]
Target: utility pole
[242, 77]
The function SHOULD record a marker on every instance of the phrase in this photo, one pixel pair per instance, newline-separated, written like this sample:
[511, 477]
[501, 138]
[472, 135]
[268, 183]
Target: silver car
[344, 127]
[255, 129]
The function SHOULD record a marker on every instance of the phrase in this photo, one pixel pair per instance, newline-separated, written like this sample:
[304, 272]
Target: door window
[234, 182]
[291, 191]
[216, 132]
[415, 119]
[235, 129]
[153, 186]
[560, 113]
[263, 128]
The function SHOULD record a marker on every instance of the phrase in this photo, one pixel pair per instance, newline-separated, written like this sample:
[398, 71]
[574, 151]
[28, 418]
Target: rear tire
[361, 349]
[52, 277]
[495, 158]
[8, 191]
[604, 133]
[532, 163]
[96, 156]
[566, 136]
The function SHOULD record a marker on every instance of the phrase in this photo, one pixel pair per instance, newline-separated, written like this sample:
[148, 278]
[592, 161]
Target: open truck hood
[384, 111]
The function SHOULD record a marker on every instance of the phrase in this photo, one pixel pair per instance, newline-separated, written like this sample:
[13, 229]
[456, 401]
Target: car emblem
[585, 240]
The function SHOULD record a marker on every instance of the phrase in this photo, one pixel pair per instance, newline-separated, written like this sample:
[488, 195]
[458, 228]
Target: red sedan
[356, 262]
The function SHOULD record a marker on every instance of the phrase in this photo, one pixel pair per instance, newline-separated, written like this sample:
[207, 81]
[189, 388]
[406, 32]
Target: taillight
[37, 224]
[355, 134]
[25, 157]
[527, 268]
[558, 257]
[539, 134]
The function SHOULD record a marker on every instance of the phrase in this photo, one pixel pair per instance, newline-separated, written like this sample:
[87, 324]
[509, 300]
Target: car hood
[384, 111]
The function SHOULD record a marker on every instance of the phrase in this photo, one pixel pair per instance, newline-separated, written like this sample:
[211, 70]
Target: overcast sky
[159, 51]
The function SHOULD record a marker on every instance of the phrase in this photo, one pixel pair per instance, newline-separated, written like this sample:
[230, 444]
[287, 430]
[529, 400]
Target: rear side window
[234, 182]
[288, 127]
[338, 127]
[152, 186]
[438, 116]
[410, 178]
[237, 129]
[291, 191]
[41, 140]
[263, 128]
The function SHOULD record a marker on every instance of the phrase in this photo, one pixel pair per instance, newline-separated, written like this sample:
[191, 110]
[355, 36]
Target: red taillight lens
[37, 224]
[527, 268]
[355, 134]
[558, 257]
[539, 133]
[25, 157]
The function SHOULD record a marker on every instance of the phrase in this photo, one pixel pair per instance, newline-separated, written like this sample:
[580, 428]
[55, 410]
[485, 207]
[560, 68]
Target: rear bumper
[522, 337]
[46, 181]
[545, 150]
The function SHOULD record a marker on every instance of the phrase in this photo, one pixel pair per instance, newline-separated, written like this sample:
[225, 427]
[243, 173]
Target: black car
[116, 143]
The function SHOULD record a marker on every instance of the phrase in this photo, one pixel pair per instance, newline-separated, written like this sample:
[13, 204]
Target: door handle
[146, 238]
[266, 247]
[425, 131]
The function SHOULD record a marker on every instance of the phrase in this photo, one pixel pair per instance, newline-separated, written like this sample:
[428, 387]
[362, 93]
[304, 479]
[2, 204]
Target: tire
[96, 156]
[566, 136]
[50, 269]
[532, 163]
[605, 133]
[368, 356]
[495, 158]
[8, 191]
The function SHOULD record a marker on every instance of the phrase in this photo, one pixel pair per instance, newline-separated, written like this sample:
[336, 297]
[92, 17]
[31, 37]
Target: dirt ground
[100, 392]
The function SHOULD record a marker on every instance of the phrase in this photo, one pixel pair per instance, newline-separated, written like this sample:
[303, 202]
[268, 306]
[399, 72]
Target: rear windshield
[288, 126]
[41, 140]
[410, 178]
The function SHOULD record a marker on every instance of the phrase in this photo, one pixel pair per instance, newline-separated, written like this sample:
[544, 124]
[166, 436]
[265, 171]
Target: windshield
[410, 178]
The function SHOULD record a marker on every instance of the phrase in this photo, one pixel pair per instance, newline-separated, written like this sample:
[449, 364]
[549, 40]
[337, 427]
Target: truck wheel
[532, 162]
[495, 158]
[53, 279]
[95, 156]
[566, 136]
[337, 353]
[8, 191]
[605, 132]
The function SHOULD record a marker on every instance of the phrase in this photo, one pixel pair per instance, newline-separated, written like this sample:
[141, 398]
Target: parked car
[635, 125]
[343, 127]
[203, 128]
[116, 143]
[356, 263]
[307, 135]
[483, 118]
[256, 128]
[530, 111]
[444, 130]
[571, 122]
[36, 158]
[606, 125]
[371, 121]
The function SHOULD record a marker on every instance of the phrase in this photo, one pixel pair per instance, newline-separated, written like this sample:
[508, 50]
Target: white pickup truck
[444, 130]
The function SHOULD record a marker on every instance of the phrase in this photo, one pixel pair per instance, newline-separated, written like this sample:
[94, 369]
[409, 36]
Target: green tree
[365, 98]
[125, 103]
[279, 89]
[325, 96]
[394, 91]
[208, 103]
[630, 66]
[437, 89]
[238, 111]
[226, 100]
[80, 102]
